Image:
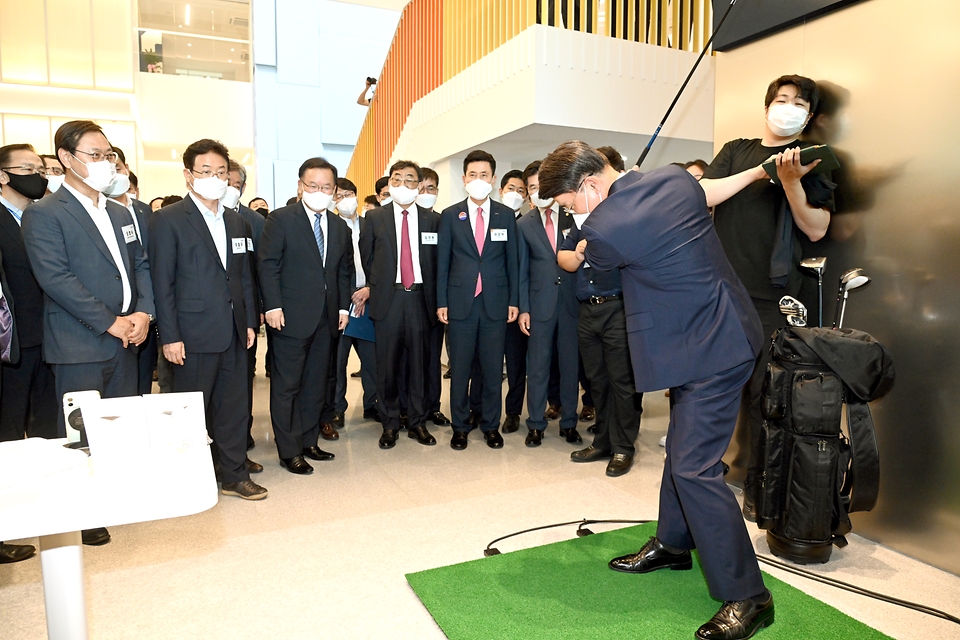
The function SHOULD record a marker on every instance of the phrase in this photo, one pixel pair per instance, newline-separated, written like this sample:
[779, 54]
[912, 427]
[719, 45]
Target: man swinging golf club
[692, 329]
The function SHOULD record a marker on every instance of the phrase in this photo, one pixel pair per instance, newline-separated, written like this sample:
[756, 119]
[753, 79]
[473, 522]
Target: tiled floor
[324, 556]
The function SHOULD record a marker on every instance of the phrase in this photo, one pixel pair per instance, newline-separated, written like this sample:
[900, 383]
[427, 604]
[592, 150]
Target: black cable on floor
[583, 531]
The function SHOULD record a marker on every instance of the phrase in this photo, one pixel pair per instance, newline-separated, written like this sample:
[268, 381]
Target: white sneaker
[663, 441]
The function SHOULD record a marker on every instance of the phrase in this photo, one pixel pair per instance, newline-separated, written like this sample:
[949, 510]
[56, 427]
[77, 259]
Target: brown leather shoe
[328, 432]
[253, 467]
[552, 412]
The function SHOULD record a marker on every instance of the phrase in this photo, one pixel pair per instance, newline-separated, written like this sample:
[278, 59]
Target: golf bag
[812, 474]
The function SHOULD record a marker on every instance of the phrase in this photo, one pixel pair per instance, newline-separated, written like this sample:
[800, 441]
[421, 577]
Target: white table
[80, 495]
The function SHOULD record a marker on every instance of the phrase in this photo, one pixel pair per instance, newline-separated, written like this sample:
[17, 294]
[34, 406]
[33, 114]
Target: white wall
[311, 59]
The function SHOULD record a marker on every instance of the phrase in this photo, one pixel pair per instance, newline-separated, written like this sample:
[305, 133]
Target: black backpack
[813, 475]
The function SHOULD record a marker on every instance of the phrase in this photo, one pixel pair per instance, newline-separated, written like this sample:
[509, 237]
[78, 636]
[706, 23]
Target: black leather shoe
[592, 428]
[15, 552]
[337, 421]
[253, 467]
[552, 412]
[571, 435]
[494, 439]
[749, 508]
[590, 454]
[247, 489]
[447, 374]
[355, 374]
[619, 464]
[95, 537]
[459, 440]
[297, 465]
[739, 620]
[422, 436]
[534, 438]
[512, 423]
[652, 556]
[371, 414]
[318, 454]
[388, 439]
[439, 419]
[588, 414]
[404, 421]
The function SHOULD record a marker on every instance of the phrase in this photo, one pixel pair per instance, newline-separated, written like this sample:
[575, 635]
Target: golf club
[818, 266]
[794, 310]
[852, 279]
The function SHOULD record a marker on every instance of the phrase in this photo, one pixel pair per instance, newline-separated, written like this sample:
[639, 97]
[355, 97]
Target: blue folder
[360, 326]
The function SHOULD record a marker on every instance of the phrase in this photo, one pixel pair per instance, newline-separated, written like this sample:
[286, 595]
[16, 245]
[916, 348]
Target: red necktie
[406, 255]
[479, 235]
[551, 231]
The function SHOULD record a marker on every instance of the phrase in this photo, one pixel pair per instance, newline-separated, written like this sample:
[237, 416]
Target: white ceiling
[396, 5]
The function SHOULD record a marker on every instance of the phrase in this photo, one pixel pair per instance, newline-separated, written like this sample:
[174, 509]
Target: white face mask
[513, 200]
[386, 201]
[479, 189]
[231, 198]
[118, 187]
[580, 218]
[54, 183]
[347, 207]
[786, 120]
[99, 174]
[317, 201]
[212, 188]
[403, 195]
[537, 202]
[427, 200]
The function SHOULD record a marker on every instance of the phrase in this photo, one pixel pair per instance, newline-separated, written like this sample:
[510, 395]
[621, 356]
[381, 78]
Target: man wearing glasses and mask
[87, 259]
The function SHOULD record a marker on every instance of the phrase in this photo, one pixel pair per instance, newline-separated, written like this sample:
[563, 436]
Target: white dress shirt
[98, 213]
[217, 227]
[413, 228]
[472, 212]
[354, 225]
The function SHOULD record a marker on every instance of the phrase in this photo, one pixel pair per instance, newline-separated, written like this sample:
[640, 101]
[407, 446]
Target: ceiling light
[188, 55]
[189, 44]
[229, 60]
[231, 49]
[173, 154]
[186, 16]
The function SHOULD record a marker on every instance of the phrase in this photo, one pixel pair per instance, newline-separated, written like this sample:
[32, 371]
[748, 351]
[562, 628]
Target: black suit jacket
[23, 286]
[293, 277]
[199, 302]
[543, 283]
[459, 263]
[380, 250]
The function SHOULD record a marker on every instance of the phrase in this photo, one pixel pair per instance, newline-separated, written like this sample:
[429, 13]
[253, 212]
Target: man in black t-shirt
[759, 223]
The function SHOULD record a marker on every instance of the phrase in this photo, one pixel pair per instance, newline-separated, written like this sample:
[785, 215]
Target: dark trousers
[114, 378]
[405, 328]
[28, 405]
[697, 509]
[222, 377]
[587, 397]
[479, 335]
[164, 372]
[299, 383]
[602, 332]
[751, 419]
[251, 370]
[368, 372]
[557, 335]
[434, 375]
[515, 352]
[147, 362]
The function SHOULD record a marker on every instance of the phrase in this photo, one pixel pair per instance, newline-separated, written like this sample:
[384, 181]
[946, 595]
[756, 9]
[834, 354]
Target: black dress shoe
[571, 435]
[337, 421]
[318, 454]
[95, 537]
[447, 374]
[388, 439]
[590, 454]
[534, 438]
[16, 552]
[439, 419]
[297, 465]
[371, 414]
[552, 412]
[749, 508]
[422, 436]
[652, 556]
[619, 464]
[246, 489]
[355, 374]
[588, 414]
[404, 421]
[592, 428]
[512, 423]
[459, 440]
[253, 467]
[494, 439]
[739, 620]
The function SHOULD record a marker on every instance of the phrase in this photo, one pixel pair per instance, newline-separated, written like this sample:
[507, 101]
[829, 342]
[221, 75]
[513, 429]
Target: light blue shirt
[17, 214]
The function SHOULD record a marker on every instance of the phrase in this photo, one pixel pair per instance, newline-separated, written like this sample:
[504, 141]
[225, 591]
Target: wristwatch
[152, 318]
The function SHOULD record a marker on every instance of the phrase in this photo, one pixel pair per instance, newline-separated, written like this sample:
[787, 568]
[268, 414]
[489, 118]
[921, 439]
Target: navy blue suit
[692, 328]
[549, 295]
[477, 323]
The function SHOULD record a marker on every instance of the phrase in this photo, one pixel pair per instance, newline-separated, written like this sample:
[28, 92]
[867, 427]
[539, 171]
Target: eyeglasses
[410, 183]
[432, 190]
[313, 188]
[207, 173]
[54, 171]
[29, 168]
[344, 194]
[97, 156]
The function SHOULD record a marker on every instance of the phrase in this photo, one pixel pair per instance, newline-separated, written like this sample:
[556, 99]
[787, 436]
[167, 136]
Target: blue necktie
[318, 234]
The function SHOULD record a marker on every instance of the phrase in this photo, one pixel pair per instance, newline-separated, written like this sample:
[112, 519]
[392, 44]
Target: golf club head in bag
[818, 266]
[794, 310]
[852, 279]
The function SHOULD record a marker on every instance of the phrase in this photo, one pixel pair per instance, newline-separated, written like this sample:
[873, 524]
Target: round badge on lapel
[463, 215]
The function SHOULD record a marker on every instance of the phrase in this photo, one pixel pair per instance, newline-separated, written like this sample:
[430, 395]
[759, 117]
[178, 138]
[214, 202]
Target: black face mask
[32, 186]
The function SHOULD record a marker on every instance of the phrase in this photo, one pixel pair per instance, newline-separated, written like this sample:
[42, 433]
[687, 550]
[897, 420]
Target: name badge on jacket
[129, 234]
[239, 245]
[249, 244]
[498, 235]
[428, 238]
